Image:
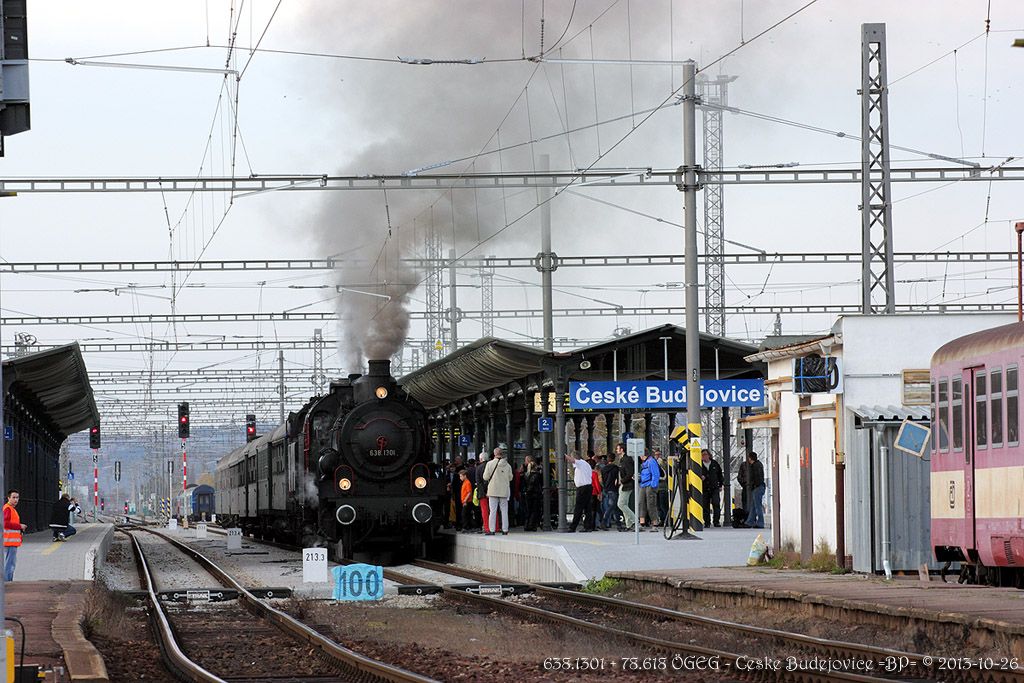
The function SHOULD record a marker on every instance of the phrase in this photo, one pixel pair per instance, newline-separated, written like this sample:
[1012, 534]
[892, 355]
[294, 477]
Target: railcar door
[975, 438]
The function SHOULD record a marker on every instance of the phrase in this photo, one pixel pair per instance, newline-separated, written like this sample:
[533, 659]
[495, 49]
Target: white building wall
[788, 488]
[823, 474]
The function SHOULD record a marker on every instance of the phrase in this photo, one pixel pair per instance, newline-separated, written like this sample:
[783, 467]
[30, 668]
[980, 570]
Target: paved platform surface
[48, 594]
[51, 612]
[996, 609]
[40, 559]
[598, 552]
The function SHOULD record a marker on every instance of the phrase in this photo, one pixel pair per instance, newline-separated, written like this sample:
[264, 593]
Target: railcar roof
[980, 344]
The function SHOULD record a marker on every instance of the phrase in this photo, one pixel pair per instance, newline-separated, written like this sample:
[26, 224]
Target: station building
[826, 448]
[493, 391]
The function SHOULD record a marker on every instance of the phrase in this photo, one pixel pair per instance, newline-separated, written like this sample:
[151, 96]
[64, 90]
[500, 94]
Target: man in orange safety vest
[13, 529]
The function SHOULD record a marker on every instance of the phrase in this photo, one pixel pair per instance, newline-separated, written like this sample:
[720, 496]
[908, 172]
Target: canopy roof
[491, 363]
[483, 365]
[56, 384]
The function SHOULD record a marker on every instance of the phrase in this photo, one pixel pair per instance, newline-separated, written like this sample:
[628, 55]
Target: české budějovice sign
[671, 394]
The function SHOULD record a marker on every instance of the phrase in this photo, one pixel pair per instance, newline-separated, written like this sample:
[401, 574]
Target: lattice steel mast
[714, 92]
[876, 190]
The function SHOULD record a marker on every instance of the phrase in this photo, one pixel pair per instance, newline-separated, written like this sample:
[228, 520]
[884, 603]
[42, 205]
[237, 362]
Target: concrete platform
[48, 595]
[51, 612]
[77, 559]
[553, 556]
[986, 615]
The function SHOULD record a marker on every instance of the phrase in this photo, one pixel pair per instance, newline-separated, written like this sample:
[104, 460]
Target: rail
[356, 666]
[830, 648]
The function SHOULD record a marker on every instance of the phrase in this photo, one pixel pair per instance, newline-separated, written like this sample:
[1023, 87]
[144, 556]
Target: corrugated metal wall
[909, 503]
[30, 465]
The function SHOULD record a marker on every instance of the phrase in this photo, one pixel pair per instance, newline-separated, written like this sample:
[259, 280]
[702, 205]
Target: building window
[958, 414]
[1012, 407]
[943, 421]
[980, 410]
[996, 405]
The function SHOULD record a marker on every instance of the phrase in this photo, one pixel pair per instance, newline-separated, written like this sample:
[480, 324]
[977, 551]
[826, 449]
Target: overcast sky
[303, 113]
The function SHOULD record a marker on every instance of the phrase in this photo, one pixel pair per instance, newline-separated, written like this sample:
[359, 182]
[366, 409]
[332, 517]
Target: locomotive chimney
[379, 368]
[378, 375]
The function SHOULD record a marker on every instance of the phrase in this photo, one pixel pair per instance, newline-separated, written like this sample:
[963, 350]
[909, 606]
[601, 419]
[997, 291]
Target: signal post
[183, 429]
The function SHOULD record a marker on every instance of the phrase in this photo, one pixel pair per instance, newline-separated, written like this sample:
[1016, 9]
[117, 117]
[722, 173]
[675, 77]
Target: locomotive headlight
[381, 392]
[420, 482]
[344, 484]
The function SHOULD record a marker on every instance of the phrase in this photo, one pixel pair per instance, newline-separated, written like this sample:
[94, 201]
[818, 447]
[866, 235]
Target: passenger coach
[977, 468]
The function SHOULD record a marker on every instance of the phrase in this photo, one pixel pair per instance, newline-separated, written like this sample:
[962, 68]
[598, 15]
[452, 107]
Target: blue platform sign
[71, 476]
[519, 445]
[8, 433]
[358, 582]
[545, 424]
[672, 394]
[464, 440]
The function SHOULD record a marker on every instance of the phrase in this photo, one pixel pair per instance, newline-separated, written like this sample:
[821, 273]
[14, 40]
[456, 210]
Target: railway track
[204, 645]
[587, 611]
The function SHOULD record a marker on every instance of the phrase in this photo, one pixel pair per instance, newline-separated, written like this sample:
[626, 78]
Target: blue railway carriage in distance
[197, 503]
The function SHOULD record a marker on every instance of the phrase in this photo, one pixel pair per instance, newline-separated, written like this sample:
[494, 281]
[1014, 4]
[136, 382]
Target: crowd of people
[490, 496]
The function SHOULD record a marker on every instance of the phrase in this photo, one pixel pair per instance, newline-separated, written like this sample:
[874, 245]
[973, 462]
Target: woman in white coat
[498, 475]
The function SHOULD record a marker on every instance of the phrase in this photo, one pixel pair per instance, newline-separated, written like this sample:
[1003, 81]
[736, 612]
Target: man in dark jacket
[755, 483]
[626, 481]
[533, 493]
[712, 475]
[60, 518]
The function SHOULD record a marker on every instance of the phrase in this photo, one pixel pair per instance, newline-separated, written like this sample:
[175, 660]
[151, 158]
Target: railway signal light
[183, 420]
[250, 427]
[117, 470]
[94, 437]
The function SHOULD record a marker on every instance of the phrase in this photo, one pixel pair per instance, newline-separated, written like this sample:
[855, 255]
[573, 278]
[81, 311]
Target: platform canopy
[489, 364]
[485, 364]
[56, 385]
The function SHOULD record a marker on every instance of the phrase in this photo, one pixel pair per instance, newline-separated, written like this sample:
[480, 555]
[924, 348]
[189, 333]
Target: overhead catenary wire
[618, 142]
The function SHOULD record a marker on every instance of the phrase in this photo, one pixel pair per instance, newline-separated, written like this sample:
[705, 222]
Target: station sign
[8, 433]
[464, 440]
[545, 424]
[748, 393]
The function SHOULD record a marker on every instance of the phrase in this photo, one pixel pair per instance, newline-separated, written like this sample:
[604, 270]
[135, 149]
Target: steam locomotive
[352, 468]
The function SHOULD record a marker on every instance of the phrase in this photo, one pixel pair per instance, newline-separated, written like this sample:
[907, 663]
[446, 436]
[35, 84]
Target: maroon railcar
[977, 466]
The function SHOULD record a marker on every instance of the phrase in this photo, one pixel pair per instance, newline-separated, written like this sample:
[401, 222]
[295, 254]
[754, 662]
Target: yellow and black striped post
[695, 485]
[688, 438]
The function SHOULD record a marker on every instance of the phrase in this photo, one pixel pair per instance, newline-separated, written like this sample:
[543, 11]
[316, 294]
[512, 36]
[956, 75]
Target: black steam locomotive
[352, 467]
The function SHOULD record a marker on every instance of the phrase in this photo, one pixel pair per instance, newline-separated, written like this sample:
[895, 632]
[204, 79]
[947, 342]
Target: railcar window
[995, 391]
[980, 410]
[943, 414]
[957, 391]
[1012, 406]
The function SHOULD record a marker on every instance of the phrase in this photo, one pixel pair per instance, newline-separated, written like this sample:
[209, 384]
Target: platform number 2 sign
[358, 582]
